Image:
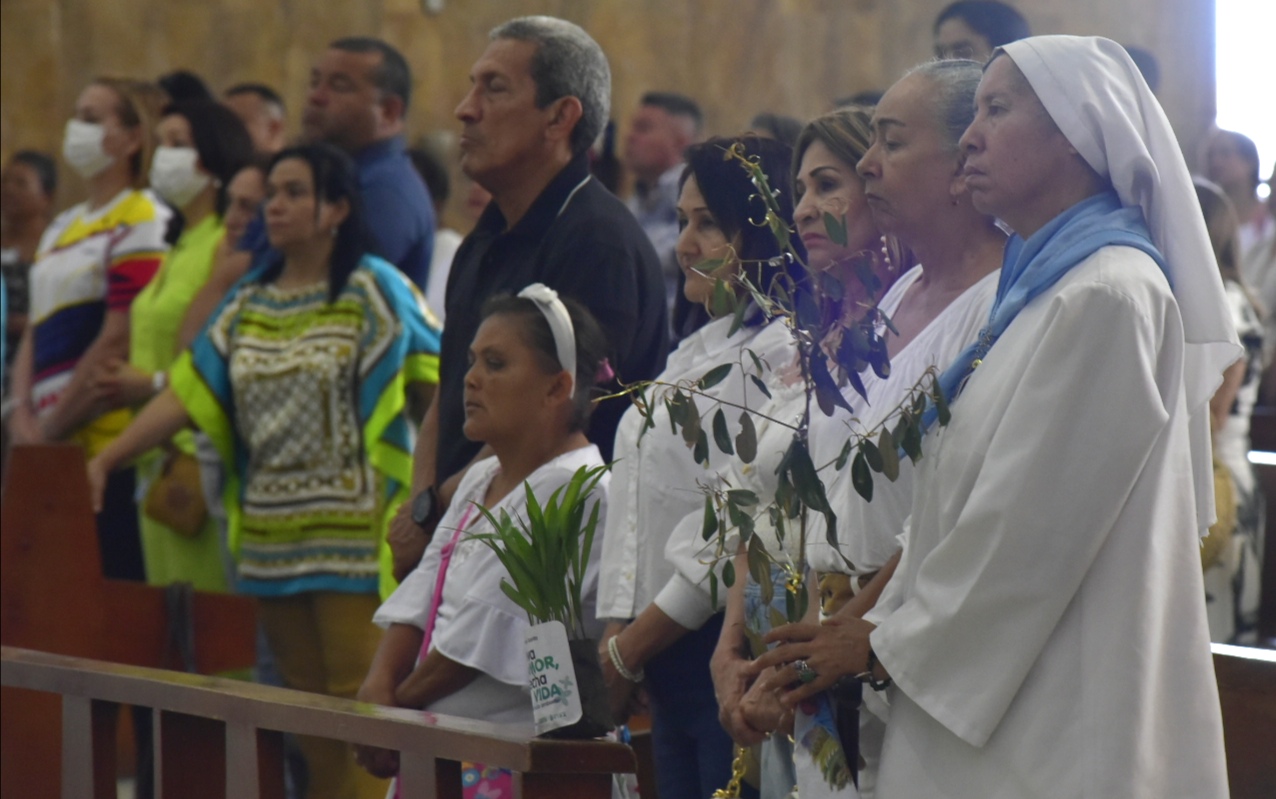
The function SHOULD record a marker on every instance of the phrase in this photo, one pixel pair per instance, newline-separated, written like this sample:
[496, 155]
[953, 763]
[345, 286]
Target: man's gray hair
[956, 81]
[568, 63]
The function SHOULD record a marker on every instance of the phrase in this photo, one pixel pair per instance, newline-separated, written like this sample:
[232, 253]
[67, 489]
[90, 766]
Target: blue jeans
[693, 753]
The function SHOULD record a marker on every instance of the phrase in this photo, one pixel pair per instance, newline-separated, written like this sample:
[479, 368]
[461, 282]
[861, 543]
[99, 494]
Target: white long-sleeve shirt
[655, 480]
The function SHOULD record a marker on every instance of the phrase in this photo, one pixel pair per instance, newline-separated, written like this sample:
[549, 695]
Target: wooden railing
[221, 738]
[1247, 693]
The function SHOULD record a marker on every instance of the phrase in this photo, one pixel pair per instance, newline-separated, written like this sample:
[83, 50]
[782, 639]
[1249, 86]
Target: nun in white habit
[1045, 630]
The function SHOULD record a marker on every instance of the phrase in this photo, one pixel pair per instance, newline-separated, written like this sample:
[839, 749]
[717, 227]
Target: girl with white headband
[454, 643]
[1045, 630]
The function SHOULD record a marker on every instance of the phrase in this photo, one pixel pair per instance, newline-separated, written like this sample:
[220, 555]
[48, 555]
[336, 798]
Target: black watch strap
[425, 506]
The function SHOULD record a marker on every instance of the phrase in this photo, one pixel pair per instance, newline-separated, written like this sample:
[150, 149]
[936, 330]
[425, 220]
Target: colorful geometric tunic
[304, 400]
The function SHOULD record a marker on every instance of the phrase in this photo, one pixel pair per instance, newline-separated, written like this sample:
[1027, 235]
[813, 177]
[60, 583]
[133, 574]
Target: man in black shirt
[539, 96]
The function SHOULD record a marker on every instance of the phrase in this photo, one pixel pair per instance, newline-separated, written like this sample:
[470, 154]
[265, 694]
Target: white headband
[560, 324]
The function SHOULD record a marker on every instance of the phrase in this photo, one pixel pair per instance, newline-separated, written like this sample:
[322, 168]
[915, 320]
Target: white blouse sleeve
[485, 628]
[686, 596]
[410, 602]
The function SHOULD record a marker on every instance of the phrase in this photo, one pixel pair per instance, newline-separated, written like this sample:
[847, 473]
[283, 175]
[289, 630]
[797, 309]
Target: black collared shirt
[578, 239]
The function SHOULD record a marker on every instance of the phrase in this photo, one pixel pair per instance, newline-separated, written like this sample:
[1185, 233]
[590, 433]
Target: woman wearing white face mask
[92, 262]
[202, 144]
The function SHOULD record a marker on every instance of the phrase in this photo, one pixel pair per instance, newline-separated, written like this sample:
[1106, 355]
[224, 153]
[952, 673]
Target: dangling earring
[886, 257]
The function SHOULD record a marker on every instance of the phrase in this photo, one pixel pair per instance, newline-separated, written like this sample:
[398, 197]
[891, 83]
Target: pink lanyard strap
[437, 598]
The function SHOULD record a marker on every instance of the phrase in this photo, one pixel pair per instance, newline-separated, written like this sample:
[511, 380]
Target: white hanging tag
[551, 677]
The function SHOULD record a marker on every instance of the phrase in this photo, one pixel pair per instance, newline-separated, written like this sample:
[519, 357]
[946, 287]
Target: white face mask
[174, 174]
[82, 148]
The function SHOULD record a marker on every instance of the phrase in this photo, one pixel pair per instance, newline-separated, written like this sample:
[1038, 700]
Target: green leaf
[710, 525]
[862, 477]
[827, 394]
[889, 450]
[701, 451]
[746, 525]
[757, 362]
[836, 229]
[844, 455]
[872, 455]
[677, 407]
[779, 230]
[941, 404]
[737, 321]
[761, 386]
[759, 563]
[691, 422]
[919, 403]
[722, 436]
[806, 482]
[853, 377]
[715, 376]
[724, 300]
[778, 516]
[912, 442]
[728, 575]
[742, 498]
[746, 442]
[710, 265]
[886, 320]
[713, 588]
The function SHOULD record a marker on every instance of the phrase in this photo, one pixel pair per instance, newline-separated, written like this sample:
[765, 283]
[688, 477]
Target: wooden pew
[1247, 693]
[1262, 434]
[216, 736]
[53, 598]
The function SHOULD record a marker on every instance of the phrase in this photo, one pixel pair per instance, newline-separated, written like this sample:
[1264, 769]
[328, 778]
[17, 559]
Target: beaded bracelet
[613, 649]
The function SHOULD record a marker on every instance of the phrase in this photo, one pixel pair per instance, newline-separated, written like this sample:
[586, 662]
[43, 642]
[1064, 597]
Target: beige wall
[737, 57]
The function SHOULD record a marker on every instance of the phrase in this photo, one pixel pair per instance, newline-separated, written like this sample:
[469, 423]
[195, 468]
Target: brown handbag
[176, 498]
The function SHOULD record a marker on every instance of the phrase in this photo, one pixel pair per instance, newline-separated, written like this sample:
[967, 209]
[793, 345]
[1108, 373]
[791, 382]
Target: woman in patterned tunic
[299, 380]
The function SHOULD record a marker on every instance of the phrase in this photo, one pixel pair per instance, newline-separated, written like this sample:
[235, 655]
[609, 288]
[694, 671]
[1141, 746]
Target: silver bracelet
[613, 649]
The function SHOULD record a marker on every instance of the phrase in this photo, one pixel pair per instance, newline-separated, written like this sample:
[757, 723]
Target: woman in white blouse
[454, 642]
[674, 624]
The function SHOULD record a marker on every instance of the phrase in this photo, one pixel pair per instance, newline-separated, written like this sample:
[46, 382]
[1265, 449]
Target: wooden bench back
[218, 738]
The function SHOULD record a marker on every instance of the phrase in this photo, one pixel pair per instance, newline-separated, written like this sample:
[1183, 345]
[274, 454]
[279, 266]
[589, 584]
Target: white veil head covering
[1098, 98]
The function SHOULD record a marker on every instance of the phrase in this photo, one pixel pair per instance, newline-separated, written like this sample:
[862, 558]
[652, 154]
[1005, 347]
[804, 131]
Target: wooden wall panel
[737, 57]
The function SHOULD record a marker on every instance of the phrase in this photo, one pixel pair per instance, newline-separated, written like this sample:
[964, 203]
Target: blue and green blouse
[304, 399]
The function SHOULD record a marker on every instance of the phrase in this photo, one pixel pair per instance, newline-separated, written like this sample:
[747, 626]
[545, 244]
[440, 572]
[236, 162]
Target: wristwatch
[424, 508]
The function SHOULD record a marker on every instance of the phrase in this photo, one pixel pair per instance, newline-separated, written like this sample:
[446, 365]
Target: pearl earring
[886, 256]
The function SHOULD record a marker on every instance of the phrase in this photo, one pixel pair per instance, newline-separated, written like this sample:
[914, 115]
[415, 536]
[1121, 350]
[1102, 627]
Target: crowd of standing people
[281, 330]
